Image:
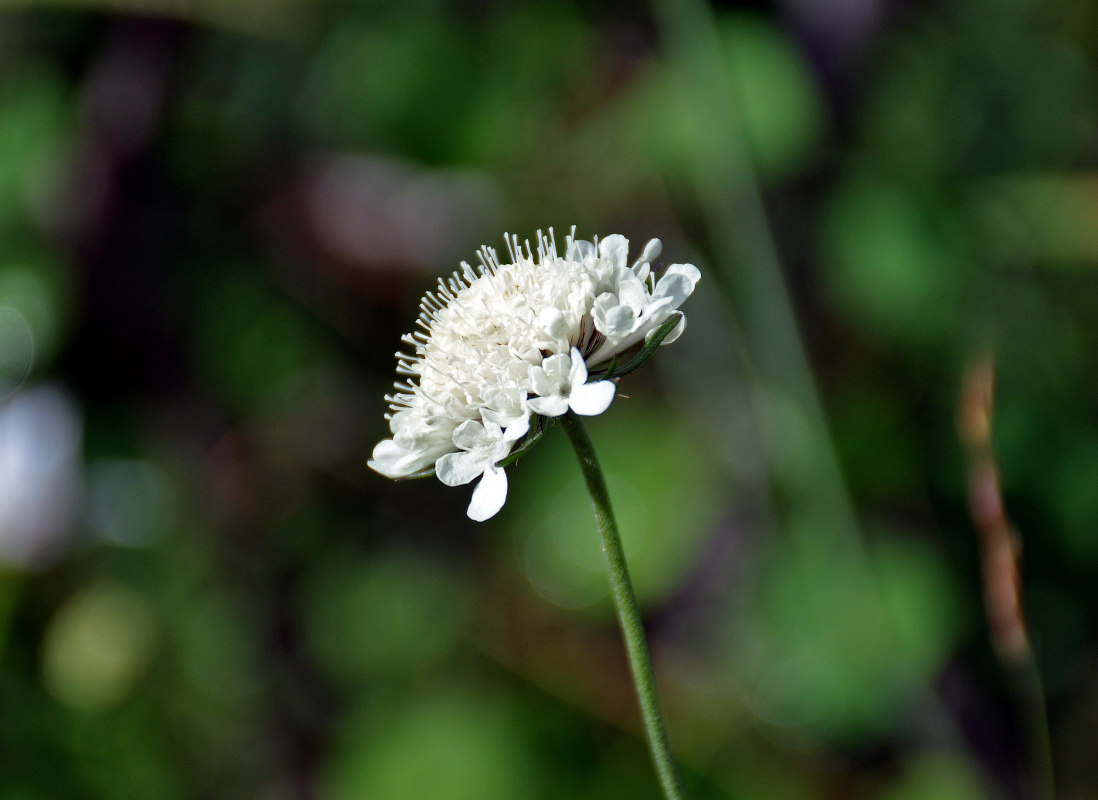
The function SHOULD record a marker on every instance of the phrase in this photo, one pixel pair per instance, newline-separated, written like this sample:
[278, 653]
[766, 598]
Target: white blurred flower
[504, 341]
[40, 433]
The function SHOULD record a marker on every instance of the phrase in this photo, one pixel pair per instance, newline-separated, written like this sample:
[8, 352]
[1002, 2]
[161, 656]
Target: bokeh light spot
[97, 647]
[40, 435]
[129, 502]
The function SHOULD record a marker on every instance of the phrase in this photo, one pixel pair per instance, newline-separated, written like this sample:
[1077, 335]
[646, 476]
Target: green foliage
[451, 743]
[228, 604]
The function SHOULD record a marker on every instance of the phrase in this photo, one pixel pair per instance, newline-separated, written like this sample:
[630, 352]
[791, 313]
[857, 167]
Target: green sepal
[426, 472]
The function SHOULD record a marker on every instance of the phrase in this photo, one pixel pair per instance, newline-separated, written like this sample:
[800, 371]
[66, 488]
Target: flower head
[502, 342]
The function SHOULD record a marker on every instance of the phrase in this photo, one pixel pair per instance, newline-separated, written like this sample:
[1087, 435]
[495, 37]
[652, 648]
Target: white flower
[504, 341]
[482, 445]
[561, 383]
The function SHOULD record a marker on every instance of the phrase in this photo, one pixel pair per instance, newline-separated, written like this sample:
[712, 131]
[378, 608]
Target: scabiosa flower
[503, 342]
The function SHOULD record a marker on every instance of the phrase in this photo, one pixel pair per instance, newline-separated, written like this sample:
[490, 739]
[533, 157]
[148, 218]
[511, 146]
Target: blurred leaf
[835, 650]
[895, 264]
[120, 756]
[901, 117]
[1046, 219]
[1067, 490]
[392, 614]
[11, 587]
[217, 650]
[248, 343]
[936, 776]
[879, 452]
[34, 118]
[453, 743]
[33, 286]
[782, 111]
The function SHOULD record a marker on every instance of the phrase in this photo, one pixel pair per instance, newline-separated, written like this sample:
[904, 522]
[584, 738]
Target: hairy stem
[625, 601]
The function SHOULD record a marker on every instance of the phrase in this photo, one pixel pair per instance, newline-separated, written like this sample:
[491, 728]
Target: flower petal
[515, 431]
[472, 434]
[614, 322]
[549, 406]
[489, 496]
[504, 404]
[614, 249]
[579, 250]
[631, 293]
[675, 333]
[592, 398]
[650, 253]
[457, 469]
[414, 434]
[556, 369]
[540, 384]
[678, 283]
[554, 323]
[502, 426]
[393, 461]
[577, 373]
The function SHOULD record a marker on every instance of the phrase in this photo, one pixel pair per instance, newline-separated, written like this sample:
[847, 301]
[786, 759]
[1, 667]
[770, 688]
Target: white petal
[658, 309]
[515, 431]
[472, 434]
[615, 322]
[403, 419]
[577, 374]
[554, 323]
[549, 406]
[540, 384]
[592, 398]
[579, 250]
[650, 253]
[615, 249]
[457, 469]
[489, 496]
[603, 303]
[677, 283]
[507, 427]
[421, 434]
[504, 404]
[631, 293]
[393, 461]
[556, 369]
[606, 351]
[676, 332]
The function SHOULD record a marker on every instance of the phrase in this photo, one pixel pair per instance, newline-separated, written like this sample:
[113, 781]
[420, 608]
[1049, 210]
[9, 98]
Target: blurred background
[217, 218]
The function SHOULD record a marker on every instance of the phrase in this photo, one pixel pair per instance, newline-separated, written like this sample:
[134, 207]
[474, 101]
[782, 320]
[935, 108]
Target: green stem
[625, 601]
